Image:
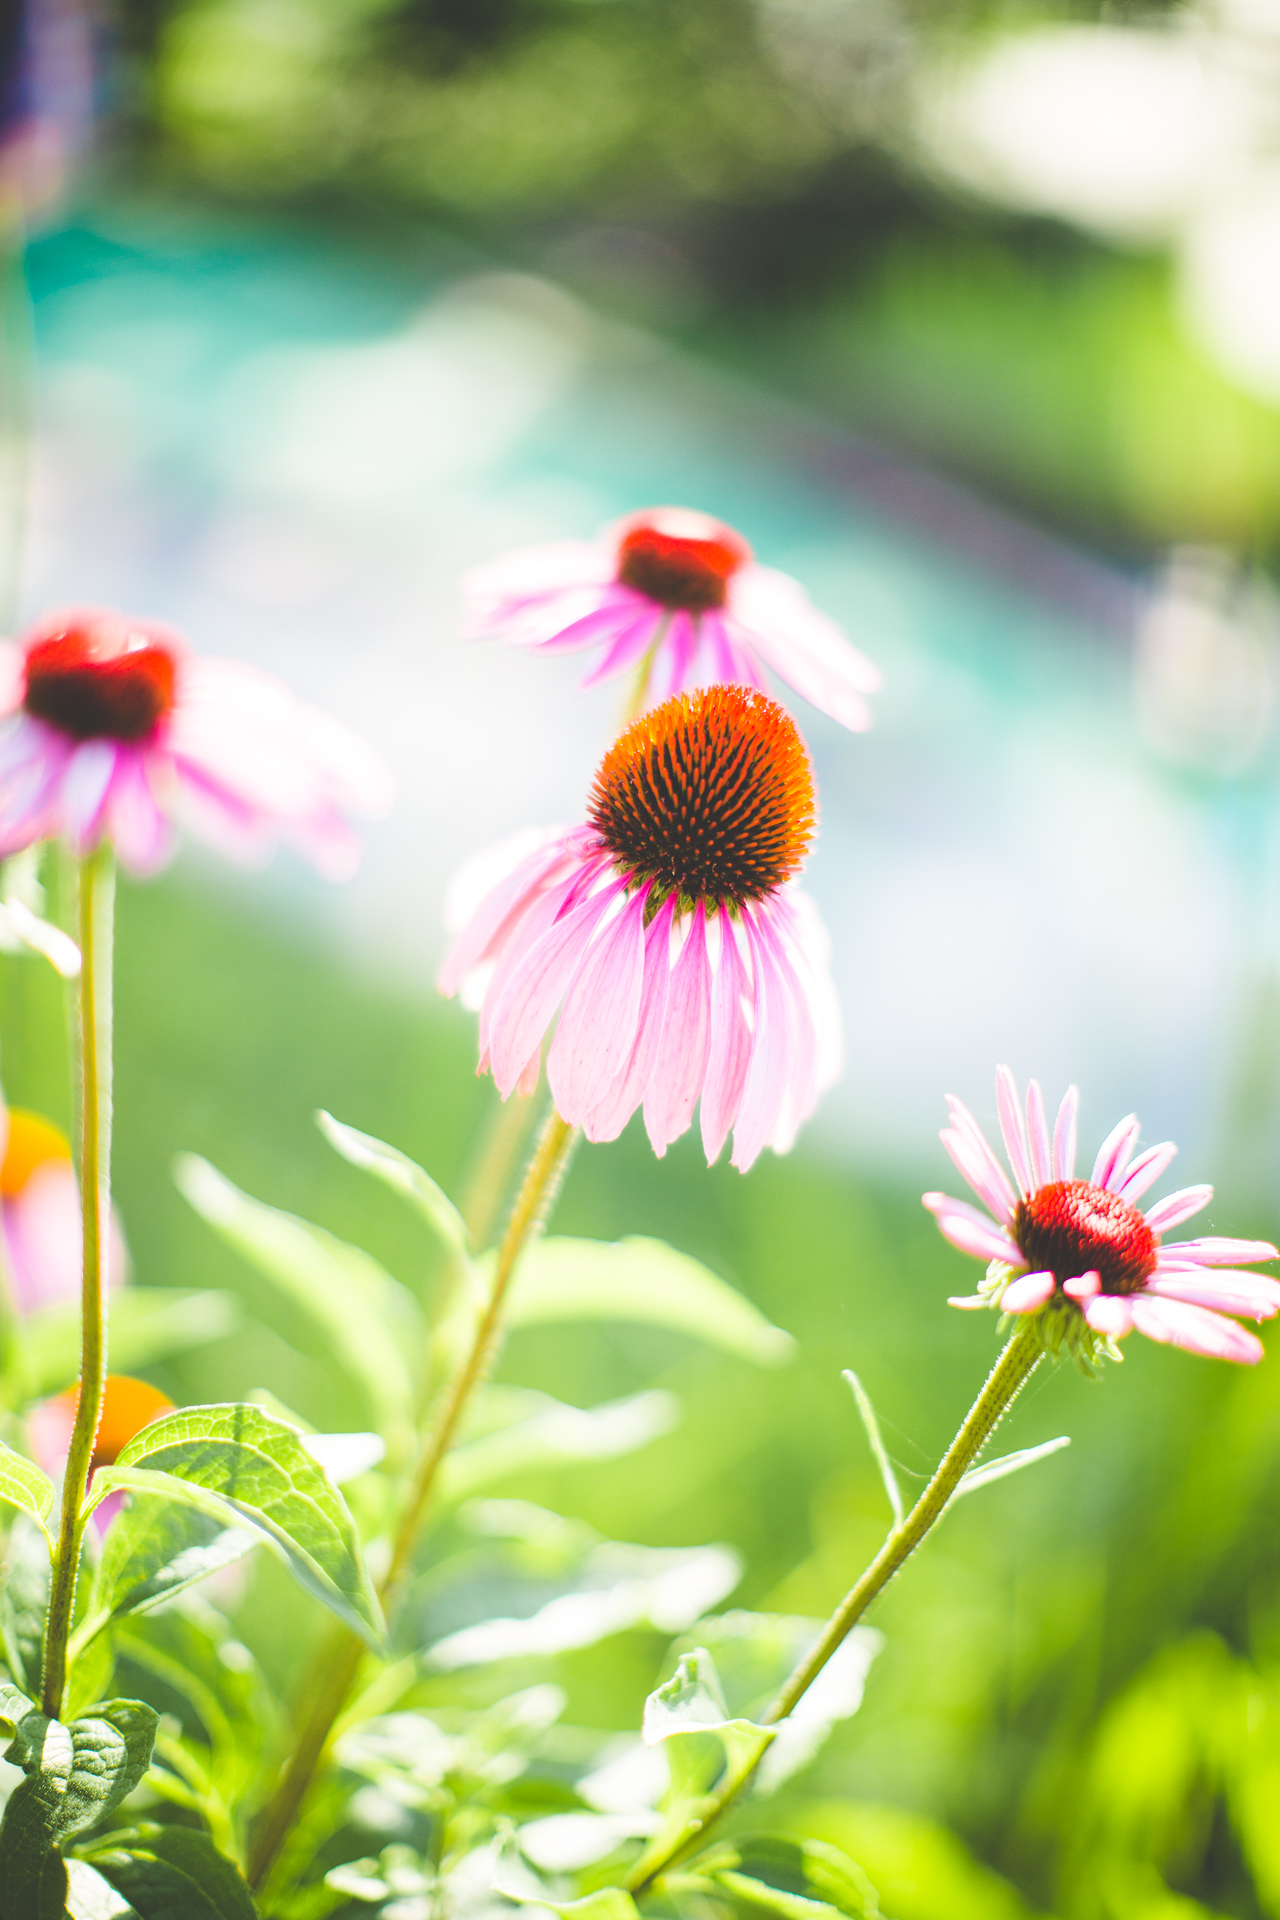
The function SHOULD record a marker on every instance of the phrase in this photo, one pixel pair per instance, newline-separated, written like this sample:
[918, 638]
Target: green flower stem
[1006, 1379]
[336, 1672]
[97, 902]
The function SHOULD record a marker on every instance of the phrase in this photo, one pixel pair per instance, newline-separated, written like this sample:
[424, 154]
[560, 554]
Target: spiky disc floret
[1069, 1227]
[710, 797]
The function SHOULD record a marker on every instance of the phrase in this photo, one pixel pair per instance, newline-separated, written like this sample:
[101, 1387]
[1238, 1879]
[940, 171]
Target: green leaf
[643, 1280]
[155, 1548]
[25, 1486]
[533, 1432]
[606, 1903]
[1006, 1464]
[175, 1873]
[75, 1775]
[371, 1325]
[243, 1466]
[90, 1897]
[24, 1601]
[403, 1176]
[871, 1426]
[801, 1880]
[146, 1324]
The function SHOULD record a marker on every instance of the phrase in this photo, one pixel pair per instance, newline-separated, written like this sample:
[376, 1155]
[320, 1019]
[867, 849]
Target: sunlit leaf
[689, 1706]
[242, 1466]
[174, 1873]
[24, 1600]
[25, 1486]
[800, 1880]
[90, 1897]
[403, 1176]
[641, 1280]
[146, 1324]
[156, 1547]
[373, 1326]
[607, 1903]
[1006, 1464]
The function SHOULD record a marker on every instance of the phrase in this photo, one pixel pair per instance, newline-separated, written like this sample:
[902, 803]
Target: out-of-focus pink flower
[686, 963]
[128, 1405]
[685, 589]
[43, 1243]
[1082, 1250]
[119, 730]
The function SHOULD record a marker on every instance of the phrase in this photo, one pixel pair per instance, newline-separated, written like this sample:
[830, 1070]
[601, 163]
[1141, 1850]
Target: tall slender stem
[97, 902]
[1006, 1379]
[542, 1183]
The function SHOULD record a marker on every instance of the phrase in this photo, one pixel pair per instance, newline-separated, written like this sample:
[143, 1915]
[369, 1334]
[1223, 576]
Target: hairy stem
[1005, 1381]
[333, 1679]
[97, 900]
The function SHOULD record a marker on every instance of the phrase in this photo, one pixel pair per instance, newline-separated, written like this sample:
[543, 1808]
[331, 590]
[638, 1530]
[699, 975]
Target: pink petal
[607, 1119]
[622, 613]
[974, 1159]
[968, 1300]
[538, 976]
[1177, 1207]
[601, 1011]
[1214, 1251]
[1256, 1295]
[1064, 1136]
[978, 1238]
[672, 660]
[1038, 1137]
[1113, 1154]
[626, 650]
[772, 614]
[529, 572]
[680, 1063]
[945, 1208]
[806, 1012]
[1028, 1293]
[1145, 1171]
[1011, 1128]
[1083, 1286]
[43, 1243]
[139, 829]
[764, 1089]
[1110, 1314]
[13, 676]
[497, 910]
[729, 1052]
[1194, 1328]
[84, 791]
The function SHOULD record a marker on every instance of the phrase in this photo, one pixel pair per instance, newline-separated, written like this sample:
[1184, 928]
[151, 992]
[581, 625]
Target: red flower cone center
[682, 560]
[98, 688]
[1071, 1227]
[710, 796]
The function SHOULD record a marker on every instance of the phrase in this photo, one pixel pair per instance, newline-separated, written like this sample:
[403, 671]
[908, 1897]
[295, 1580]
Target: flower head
[669, 930]
[1082, 1254]
[40, 1227]
[119, 730]
[682, 592]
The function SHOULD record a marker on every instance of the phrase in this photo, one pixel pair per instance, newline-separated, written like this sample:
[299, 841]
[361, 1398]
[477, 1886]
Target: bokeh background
[966, 312]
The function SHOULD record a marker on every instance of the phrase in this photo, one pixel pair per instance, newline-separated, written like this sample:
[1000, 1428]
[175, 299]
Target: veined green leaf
[174, 1873]
[372, 1324]
[403, 1176]
[1008, 1463]
[75, 1774]
[705, 1748]
[24, 1485]
[642, 1280]
[156, 1547]
[146, 1324]
[244, 1467]
[800, 1880]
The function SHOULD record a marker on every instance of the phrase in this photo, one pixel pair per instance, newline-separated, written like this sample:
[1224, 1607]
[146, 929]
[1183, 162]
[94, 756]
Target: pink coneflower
[119, 729]
[1082, 1251]
[689, 965]
[683, 593]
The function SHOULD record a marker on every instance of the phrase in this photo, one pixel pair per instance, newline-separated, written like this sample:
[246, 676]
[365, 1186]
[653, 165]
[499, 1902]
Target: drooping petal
[84, 791]
[490, 894]
[601, 1011]
[680, 1062]
[764, 1089]
[139, 829]
[773, 615]
[607, 1119]
[1064, 1136]
[1178, 1324]
[1015, 1144]
[1028, 1293]
[729, 1052]
[1146, 1170]
[1114, 1153]
[537, 979]
[628, 647]
[1177, 1207]
[1110, 1314]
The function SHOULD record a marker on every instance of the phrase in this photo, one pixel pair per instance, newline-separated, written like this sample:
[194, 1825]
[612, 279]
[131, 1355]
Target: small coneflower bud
[680, 596]
[687, 965]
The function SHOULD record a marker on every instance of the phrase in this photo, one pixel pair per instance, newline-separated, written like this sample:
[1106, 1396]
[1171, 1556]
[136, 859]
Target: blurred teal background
[950, 310]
